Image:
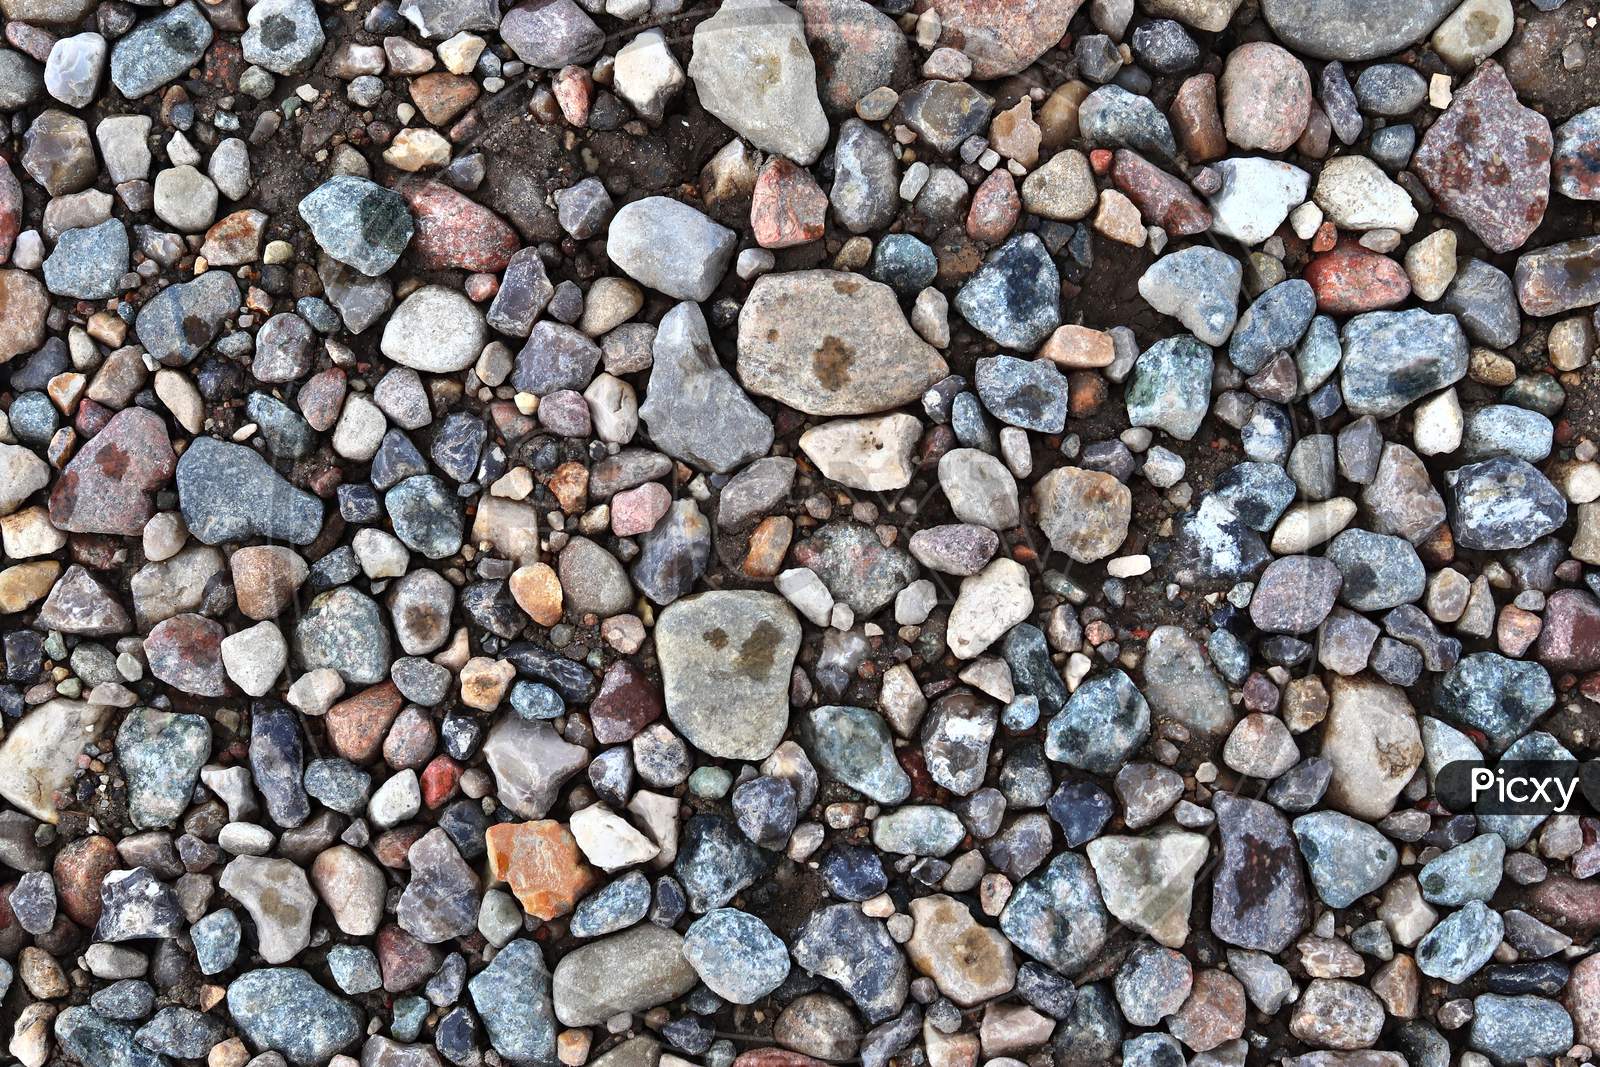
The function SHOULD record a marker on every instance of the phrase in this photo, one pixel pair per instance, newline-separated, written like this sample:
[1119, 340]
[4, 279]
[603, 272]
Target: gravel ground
[768, 534]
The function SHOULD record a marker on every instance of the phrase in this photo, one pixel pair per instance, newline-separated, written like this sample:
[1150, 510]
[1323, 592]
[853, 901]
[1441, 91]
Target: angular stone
[1487, 161]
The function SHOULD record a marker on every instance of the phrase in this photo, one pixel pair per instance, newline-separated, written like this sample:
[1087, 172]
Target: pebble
[1487, 161]
[826, 343]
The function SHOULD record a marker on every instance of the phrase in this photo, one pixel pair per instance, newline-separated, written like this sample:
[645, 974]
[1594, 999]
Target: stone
[435, 330]
[1200, 287]
[1266, 97]
[285, 1010]
[1056, 915]
[1084, 513]
[105, 488]
[969, 962]
[1395, 357]
[1347, 858]
[1003, 39]
[1258, 889]
[1486, 161]
[1170, 386]
[733, 707]
[1255, 197]
[631, 971]
[39, 756]
[513, 997]
[872, 454]
[1014, 298]
[667, 245]
[1503, 503]
[693, 409]
[159, 50]
[1352, 29]
[827, 343]
[764, 86]
[735, 955]
[359, 223]
[549, 34]
[181, 320]
[1372, 742]
[1147, 882]
[280, 902]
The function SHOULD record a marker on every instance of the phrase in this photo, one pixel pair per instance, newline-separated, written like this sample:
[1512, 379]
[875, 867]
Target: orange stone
[541, 863]
[537, 591]
[356, 726]
[768, 545]
[1079, 348]
[569, 484]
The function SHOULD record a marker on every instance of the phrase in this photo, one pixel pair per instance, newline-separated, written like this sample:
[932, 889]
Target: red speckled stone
[995, 207]
[1003, 36]
[787, 207]
[10, 211]
[78, 870]
[627, 703]
[1487, 161]
[1161, 198]
[1570, 639]
[105, 488]
[1351, 279]
[455, 232]
[439, 780]
[405, 961]
[356, 726]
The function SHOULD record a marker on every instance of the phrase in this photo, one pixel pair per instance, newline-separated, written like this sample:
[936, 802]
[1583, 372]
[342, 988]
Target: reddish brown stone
[78, 870]
[410, 740]
[769, 543]
[1570, 905]
[627, 703]
[569, 484]
[442, 96]
[541, 863]
[356, 727]
[439, 780]
[1195, 120]
[10, 211]
[322, 398]
[1161, 198]
[454, 232]
[995, 207]
[185, 651]
[405, 961]
[574, 92]
[106, 487]
[1570, 640]
[392, 848]
[1487, 161]
[1351, 279]
[788, 207]
[1583, 999]
[1214, 1013]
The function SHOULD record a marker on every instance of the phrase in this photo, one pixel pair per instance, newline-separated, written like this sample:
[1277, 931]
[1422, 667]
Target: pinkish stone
[627, 702]
[1162, 199]
[636, 511]
[106, 487]
[1487, 161]
[185, 651]
[1570, 639]
[455, 232]
[1351, 279]
[788, 207]
[995, 207]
